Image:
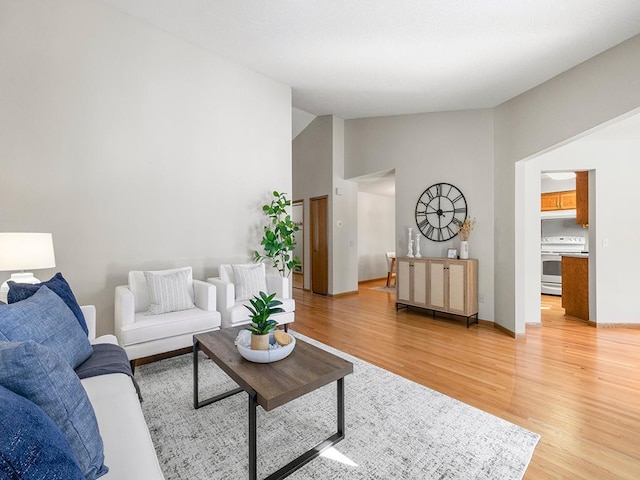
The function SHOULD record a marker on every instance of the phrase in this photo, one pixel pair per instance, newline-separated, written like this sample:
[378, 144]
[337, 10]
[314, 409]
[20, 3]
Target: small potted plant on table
[262, 307]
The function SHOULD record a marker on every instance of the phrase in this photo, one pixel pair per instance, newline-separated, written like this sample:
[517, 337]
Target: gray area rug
[395, 429]
[385, 289]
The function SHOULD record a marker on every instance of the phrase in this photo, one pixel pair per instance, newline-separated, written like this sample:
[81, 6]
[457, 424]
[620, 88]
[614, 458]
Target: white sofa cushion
[139, 288]
[169, 292]
[250, 279]
[147, 329]
[128, 448]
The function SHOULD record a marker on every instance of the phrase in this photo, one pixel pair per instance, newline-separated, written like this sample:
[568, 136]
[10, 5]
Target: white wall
[343, 277]
[376, 234]
[312, 153]
[454, 147]
[135, 149]
[588, 95]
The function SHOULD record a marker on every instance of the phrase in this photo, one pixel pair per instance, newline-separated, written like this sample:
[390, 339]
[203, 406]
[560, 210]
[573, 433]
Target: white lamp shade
[26, 251]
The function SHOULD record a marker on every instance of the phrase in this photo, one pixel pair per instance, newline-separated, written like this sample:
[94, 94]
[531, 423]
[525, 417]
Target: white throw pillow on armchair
[169, 291]
[250, 279]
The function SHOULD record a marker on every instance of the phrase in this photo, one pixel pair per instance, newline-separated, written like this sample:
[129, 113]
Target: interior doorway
[564, 242]
[297, 217]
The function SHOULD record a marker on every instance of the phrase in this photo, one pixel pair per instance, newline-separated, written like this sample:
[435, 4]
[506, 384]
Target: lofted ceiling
[361, 58]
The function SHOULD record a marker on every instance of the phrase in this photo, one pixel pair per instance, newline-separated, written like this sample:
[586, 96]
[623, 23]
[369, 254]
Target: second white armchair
[237, 284]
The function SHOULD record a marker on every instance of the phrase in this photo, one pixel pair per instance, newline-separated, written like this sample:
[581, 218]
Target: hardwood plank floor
[575, 385]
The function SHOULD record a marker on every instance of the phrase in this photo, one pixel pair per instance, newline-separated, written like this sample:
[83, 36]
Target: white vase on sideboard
[464, 249]
[409, 243]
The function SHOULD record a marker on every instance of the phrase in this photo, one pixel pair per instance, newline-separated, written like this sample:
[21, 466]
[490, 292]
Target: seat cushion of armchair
[238, 314]
[148, 328]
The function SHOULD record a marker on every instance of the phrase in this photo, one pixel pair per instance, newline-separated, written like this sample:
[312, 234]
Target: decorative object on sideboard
[440, 211]
[279, 241]
[24, 251]
[409, 243]
[464, 231]
[417, 243]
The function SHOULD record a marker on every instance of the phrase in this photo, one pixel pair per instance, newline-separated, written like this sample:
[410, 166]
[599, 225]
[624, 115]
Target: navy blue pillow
[39, 374]
[58, 285]
[32, 447]
[46, 319]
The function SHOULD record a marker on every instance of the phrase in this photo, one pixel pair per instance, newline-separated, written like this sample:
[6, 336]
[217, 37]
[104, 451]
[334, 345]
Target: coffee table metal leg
[197, 404]
[340, 409]
[309, 455]
[196, 346]
[253, 453]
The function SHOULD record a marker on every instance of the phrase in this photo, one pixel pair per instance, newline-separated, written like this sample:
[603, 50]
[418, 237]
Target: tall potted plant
[279, 241]
[262, 307]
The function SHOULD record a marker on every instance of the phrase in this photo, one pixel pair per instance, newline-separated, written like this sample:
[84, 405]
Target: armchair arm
[89, 312]
[125, 309]
[225, 293]
[278, 285]
[204, 295]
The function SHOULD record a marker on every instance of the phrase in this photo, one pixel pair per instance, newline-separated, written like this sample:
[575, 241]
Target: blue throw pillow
[58, 285]
[46, 319]
[32, 447]
[40, 375]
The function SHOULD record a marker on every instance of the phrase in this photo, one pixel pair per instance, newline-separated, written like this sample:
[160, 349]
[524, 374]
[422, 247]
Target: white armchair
[233, 293]
[142, 334]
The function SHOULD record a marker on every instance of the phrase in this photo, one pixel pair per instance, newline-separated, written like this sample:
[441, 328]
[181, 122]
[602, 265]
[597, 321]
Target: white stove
[562, 244]
[551, 249]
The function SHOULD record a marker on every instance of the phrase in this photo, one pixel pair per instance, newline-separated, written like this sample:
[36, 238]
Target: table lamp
[24, 251]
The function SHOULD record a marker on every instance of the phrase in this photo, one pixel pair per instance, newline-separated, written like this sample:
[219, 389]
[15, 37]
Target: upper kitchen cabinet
[565, 200]
[582, 198]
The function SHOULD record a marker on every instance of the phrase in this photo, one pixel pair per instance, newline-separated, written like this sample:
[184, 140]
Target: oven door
[551, 273]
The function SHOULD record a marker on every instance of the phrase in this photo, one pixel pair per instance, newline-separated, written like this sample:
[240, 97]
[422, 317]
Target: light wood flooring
[575, 385]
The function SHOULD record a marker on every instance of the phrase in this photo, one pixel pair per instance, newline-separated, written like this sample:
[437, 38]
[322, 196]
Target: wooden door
[319, 246]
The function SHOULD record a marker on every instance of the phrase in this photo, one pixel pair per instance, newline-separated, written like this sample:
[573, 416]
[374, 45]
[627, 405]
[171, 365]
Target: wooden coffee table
[273, 384]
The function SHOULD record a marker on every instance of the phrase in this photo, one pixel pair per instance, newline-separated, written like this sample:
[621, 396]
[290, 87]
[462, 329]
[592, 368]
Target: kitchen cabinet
[575, 286]
[440, 285]
[582, 198]
[565, 200]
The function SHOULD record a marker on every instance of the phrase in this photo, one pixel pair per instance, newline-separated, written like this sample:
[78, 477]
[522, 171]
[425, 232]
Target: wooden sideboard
[438, 284]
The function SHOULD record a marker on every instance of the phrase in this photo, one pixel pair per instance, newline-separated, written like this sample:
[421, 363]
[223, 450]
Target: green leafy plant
[279, 241]
[262, 307]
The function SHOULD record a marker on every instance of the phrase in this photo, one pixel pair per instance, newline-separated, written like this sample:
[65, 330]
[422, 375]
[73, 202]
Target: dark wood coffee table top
[304, 370]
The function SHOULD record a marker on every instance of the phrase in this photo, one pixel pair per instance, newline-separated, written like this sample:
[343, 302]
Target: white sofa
[128, 450]
[144, 335]
[234, 312]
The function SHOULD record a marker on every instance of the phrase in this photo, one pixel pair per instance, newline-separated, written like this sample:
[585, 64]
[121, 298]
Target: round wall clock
[440, 210]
